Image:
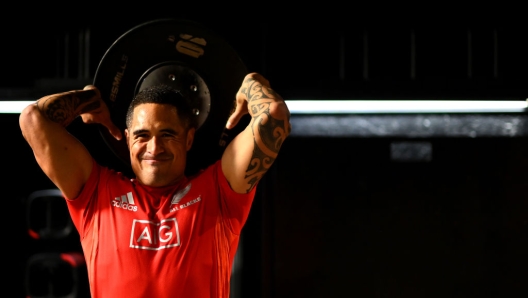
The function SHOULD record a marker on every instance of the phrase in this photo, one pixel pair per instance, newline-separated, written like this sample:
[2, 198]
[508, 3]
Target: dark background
[335, 217]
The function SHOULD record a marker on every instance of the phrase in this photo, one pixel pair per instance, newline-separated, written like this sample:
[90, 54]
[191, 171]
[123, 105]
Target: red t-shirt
[174, 241]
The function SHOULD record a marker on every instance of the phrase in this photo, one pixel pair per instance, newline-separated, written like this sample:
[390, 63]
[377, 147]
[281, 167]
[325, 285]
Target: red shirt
[174, 241]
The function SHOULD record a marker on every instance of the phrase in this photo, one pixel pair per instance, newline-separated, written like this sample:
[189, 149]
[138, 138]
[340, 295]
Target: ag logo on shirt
[151, 235]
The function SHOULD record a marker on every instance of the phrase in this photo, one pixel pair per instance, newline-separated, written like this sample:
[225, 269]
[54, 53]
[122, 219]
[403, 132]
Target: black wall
[344, 220]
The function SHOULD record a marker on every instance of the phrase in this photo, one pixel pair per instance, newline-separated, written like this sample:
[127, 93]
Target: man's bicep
[68, 164]
[62, 157]
[236, 161]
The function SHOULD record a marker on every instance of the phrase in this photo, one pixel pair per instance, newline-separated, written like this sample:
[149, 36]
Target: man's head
[160, 130]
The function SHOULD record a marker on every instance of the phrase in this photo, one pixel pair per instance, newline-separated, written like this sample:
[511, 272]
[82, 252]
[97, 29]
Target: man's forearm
[64, 107]
[270, 125]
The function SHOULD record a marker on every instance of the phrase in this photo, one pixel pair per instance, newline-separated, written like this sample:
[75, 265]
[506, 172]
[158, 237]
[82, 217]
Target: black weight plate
[173, 46]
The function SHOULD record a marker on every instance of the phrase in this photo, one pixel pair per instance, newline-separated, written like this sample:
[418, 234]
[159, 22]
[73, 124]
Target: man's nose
[155, 145]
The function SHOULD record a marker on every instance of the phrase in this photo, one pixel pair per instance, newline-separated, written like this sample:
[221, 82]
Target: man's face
[158, 144]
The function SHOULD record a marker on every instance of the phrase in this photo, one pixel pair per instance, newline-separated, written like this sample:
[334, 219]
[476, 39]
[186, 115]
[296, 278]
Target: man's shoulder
[208, 171]
[108, 173]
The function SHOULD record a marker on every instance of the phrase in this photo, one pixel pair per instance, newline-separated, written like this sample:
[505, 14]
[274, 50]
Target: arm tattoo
[269, 133]
[64, 108]
[260, 163]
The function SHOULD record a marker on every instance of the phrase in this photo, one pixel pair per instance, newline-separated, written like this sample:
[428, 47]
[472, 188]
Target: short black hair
[164, 94]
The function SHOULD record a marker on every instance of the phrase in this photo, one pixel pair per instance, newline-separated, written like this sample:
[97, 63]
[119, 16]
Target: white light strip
[404, 106]
[368, 106]
[14, 107]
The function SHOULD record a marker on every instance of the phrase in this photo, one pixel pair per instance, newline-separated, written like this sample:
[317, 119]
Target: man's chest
[139, 221]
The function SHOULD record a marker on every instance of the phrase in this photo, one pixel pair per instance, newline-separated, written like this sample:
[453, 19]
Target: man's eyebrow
[141, 131]
[169, 130]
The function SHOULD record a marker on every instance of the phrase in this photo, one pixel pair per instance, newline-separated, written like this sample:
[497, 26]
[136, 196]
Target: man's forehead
[152, 112]
[154, 109]
[144, 105]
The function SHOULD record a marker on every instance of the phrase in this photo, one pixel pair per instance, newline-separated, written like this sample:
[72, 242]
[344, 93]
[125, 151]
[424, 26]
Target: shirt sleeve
[80, 207]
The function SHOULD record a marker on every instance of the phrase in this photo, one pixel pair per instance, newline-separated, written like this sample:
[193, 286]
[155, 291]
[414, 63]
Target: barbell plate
[173, 46]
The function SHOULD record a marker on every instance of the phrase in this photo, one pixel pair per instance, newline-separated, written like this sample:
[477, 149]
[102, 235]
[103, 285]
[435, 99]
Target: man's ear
[190, 137]
[126, 138]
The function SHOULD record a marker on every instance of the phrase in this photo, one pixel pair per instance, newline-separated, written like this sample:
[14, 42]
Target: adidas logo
[125, 202]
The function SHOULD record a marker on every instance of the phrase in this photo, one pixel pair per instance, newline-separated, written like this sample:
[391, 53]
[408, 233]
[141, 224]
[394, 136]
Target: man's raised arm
[252, 152]
[62, 157]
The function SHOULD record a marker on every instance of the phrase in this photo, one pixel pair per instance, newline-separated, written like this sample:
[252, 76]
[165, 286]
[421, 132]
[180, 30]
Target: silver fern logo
[180, 194]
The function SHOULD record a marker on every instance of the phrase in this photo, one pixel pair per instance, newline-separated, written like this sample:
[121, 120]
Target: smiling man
[160, 233]
[158, 136]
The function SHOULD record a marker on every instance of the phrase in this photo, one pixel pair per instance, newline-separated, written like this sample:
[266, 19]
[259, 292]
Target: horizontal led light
[14, 107]
[368, 106]
[403, 106]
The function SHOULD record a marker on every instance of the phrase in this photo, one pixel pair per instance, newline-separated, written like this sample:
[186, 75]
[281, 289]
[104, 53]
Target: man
[160, 233]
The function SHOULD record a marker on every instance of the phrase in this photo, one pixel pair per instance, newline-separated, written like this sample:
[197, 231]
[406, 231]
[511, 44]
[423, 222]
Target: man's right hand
[100, 115]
